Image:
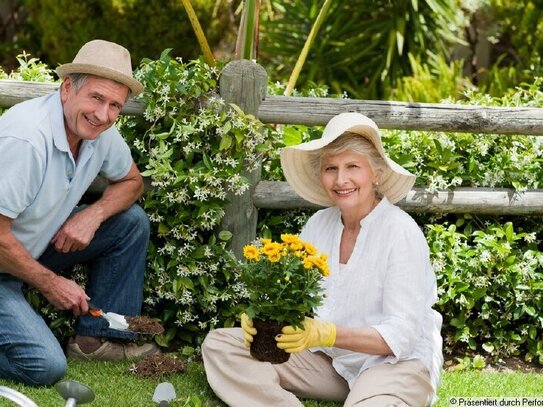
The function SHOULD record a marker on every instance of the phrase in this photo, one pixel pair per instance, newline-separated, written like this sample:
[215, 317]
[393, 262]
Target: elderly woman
[376, 341]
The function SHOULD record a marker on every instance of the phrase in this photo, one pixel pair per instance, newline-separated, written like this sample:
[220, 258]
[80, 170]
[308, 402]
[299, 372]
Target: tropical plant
[433, 81]
[509, 31]
[363, 46]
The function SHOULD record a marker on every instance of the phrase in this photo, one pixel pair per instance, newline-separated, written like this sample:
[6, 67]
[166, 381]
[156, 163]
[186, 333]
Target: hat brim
[135, 86]
[395, 182]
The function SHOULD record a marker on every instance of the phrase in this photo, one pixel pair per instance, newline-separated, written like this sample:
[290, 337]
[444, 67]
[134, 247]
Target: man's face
[93, 108]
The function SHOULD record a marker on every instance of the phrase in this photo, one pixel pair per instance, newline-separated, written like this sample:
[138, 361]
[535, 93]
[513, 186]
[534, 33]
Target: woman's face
[348, 180]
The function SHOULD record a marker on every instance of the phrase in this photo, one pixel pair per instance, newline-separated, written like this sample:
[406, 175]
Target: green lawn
[115, 386]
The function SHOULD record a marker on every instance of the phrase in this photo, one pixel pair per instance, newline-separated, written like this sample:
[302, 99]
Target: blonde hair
[349, 141]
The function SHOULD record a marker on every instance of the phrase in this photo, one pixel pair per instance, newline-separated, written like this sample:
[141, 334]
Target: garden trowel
[164, 393]
[115, 321]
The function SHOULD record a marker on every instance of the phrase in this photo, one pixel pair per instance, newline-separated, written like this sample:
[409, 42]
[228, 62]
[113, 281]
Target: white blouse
[388, 284]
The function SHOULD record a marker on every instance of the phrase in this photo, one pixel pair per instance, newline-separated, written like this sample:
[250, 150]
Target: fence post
[244, 83]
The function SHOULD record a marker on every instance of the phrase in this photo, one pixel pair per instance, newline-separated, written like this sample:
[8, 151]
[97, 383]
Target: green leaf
[226, 142]
[225, 235]
[488, 347]
[291, 136]
[187, 283]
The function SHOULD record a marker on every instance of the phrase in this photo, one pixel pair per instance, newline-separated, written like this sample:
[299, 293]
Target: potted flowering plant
[283, 285]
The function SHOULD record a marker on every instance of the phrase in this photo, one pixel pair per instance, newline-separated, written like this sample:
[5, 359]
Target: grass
[115, 386]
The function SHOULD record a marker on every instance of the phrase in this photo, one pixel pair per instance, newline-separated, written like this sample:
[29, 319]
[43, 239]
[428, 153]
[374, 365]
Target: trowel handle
[164, 403]
[94, 311]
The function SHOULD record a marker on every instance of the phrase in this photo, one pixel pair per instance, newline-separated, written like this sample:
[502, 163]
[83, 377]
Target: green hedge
[194, 147]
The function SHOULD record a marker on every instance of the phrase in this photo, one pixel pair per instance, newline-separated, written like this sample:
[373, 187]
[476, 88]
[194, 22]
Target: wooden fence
[244, 83]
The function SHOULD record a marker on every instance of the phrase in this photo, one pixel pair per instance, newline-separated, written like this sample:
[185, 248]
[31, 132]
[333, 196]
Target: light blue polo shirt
[40, 183]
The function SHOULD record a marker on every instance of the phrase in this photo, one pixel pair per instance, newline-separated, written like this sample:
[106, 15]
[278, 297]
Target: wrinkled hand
[77, 232]
[315, 333]
[248, 329]
[65, 294]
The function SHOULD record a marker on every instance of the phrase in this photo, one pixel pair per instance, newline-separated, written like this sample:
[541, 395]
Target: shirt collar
[377, 212]
[57, 124]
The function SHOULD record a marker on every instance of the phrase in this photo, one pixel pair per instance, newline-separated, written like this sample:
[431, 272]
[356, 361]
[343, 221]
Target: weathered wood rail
[317, 111]
[244, 83]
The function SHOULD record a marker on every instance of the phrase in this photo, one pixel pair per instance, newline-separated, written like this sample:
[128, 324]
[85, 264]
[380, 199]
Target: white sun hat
[104, 59]
[394, 184]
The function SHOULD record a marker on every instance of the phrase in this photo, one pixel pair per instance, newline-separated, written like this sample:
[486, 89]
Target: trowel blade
[164, 392]
[116, 321]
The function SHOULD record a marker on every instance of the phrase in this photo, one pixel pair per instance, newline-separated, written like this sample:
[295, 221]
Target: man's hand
[65, 294]
[248, 329]
[315, 333]
[77, 232]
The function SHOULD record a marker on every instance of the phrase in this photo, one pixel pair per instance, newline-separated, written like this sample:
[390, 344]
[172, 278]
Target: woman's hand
[315, 333]
[248, 329]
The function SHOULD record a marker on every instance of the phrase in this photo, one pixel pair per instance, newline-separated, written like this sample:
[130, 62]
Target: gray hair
[78, 80]
[349, 141]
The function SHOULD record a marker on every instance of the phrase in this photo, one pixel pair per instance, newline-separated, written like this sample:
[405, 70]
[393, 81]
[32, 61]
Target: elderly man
[51, 149]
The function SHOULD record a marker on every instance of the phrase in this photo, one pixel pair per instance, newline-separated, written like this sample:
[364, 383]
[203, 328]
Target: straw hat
[395, 182]
[105, 59]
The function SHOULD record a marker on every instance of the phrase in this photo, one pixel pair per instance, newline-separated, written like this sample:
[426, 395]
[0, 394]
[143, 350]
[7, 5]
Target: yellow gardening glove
[315, 333]
[248, 329]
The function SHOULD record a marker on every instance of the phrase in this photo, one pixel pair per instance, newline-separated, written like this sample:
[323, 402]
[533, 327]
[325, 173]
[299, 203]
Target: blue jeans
[29, 352]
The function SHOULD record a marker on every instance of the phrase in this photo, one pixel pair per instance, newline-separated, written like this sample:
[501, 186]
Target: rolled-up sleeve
[404, 297]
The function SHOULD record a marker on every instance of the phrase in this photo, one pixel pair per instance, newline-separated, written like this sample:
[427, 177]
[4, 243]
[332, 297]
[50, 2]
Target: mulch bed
[158, 365]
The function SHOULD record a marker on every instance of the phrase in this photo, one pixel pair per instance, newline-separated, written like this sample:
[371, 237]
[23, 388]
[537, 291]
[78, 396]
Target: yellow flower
[310, 249]
[296, 246]
[250, 252]
[289, 239]
[274, 257]
[265, 241]
[325, 270]
[271, 248]
[308, 263]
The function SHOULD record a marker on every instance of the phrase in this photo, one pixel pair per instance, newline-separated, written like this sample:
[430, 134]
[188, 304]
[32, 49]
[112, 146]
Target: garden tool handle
[94, 311]
[164, 403]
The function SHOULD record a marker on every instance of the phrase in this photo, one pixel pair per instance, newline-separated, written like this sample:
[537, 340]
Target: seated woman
[377, 340]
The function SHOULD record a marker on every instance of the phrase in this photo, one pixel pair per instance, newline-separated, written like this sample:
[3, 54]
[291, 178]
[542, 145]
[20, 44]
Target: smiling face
[91, 109]
[348, 179]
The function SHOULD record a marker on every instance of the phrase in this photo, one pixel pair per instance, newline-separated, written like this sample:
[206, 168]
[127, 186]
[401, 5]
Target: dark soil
[144, 325]
[158, 365]
[264, 347]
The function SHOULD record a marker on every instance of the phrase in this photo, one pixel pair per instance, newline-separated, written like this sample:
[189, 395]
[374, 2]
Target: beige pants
[241, 381]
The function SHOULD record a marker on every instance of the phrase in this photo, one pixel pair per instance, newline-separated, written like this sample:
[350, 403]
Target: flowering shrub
[283, 279]
[194, 149]
[489, 289]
